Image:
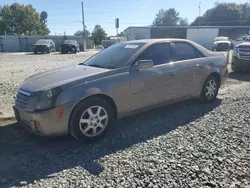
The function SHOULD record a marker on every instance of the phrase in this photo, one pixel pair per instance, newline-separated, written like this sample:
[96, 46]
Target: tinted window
[115, 56]
[159, 53]
[69, 42]
[42, 42]
[185, 51]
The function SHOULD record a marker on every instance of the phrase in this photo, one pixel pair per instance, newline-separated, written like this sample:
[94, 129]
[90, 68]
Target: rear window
[185, 51]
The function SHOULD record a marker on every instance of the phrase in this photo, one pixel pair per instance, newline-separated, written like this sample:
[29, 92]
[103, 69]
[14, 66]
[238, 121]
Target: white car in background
[221, 44]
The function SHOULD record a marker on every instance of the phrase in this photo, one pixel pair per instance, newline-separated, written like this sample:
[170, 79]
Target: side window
[185, 51]
[159, 53]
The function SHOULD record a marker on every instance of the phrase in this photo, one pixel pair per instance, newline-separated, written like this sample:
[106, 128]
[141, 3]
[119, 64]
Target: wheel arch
[105, 97]
[217, 76]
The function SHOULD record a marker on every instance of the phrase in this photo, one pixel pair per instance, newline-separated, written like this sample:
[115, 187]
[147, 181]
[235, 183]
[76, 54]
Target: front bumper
[222, 48]
[241, 63]
[47, 122]
[41, 49]
[67, 48]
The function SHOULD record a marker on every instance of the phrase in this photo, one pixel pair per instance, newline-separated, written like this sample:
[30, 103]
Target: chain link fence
[25, 43]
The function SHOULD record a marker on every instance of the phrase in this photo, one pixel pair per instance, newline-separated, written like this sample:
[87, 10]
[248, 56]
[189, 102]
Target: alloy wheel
[210, 89]
[93, 121]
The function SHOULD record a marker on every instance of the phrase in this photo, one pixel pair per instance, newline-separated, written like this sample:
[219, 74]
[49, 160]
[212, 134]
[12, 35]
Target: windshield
[222, 39]
[246, 38]
[69, 42]
[115, 56]
[42, 42]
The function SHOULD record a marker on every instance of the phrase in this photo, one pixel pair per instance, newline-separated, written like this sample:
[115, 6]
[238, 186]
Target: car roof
[147, 42]
[156, 40]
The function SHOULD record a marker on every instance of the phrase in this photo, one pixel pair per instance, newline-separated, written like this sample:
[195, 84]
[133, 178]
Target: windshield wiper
[99, 66]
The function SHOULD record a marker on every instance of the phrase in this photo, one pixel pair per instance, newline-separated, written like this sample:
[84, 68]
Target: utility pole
[199, 13]
[83, 22]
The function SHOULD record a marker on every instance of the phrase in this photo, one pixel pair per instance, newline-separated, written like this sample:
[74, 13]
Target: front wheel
[90, 119]
[234, 68]
[209, 90]
[74, 50]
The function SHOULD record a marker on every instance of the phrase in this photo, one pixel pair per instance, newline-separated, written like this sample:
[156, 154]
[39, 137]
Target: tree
[43, 16]
[225, 14]
[245, 14]
[98, 34]
[80, 33]
[121, 34]
[183, 22]
[168, 17]
[22, 19]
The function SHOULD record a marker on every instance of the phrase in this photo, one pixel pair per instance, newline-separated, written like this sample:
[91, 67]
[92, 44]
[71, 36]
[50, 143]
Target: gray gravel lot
[182, 145]
[15, 67]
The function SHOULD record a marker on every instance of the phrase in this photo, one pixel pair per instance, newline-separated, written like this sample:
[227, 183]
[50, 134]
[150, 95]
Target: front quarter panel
[116, 86]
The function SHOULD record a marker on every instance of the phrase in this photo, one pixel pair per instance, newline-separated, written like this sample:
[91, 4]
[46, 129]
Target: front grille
[244, 52]
[223, 45]
[22, 99]
[247, 57]
[41, 47]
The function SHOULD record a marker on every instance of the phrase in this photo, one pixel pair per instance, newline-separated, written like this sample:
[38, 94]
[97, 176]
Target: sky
[66, 15]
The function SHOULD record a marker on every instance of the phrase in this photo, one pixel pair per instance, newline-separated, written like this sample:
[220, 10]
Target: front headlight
[47, 99]
[235, 52]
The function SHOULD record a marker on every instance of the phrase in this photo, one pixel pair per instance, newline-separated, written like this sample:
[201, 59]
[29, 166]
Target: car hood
[243, 44]
[41, 44]
[59, 77]
[218, 42]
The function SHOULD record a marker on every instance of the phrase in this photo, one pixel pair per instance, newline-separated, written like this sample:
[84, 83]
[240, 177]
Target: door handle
[171, 73]
[201, 66]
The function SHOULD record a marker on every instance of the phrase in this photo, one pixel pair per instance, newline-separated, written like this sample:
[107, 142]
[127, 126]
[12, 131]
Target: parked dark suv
[44, 45]
[70, 46]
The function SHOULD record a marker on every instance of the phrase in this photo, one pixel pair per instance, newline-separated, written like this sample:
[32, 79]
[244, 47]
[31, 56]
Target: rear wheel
[209, 90]
[35, 52]
[90, 119]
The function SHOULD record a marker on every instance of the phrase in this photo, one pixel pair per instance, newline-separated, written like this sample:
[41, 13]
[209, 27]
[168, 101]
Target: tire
[81, 112]
[204, 96]
[35, 52]
[49, 50]
[234, 68]
[74, 50]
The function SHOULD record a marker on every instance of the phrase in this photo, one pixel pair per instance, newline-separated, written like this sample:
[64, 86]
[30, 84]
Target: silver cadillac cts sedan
[122, 80]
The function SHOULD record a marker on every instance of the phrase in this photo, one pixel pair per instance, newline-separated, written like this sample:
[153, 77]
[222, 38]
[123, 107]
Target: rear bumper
[47, 122]
[224, 75]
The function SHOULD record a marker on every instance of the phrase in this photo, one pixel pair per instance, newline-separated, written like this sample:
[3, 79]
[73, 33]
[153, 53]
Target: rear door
[191, 68]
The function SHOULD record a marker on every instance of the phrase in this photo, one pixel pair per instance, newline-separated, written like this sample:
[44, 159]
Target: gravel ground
[15, 67]
[183, 145]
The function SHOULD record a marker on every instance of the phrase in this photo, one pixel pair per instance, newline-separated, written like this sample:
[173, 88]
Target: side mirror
[145, 64]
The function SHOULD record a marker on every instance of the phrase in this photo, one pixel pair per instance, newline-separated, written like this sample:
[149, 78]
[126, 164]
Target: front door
[151, 86]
